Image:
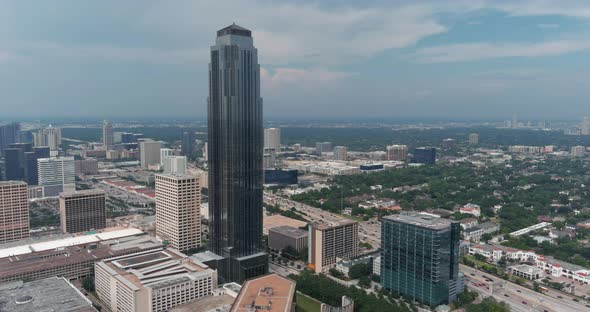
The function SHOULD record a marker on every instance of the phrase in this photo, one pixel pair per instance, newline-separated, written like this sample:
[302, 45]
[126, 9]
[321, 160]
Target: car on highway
[506, 295]
[518, 290]
[559, 297]
[472, 274]
[524, 302]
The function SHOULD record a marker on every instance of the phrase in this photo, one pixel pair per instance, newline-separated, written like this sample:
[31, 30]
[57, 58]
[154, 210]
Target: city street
[519, 298]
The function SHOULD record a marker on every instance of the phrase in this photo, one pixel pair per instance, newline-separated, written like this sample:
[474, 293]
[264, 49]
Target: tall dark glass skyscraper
[235, 147]
[420, 257]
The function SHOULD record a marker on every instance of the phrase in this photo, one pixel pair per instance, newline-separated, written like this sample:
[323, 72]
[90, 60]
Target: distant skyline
[453, 59]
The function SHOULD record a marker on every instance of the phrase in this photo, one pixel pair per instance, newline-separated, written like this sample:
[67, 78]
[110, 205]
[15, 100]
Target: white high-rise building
[49, 136]
[340, 153]
[107, 135]
[174, 164]
[165, 152]
[272, 139]
[578, 151]
[14, 211]
[57, 175]
[178, 205]
[149, 153]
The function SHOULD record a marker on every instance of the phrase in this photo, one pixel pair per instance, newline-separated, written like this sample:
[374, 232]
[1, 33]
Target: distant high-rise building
[149, 153]
[473, 139]
[82, 211]
[117, 137]
[236, 142]
[297, 147]
[14, 211]
[9, 133]
[12, 168]
[107, 135]
[270, 157]
[514, 122]
[331, 241]
[57, 174]
[31, 166]
[424, 155]
[420, 257]
[397, 152]
[86, 166]
[165, 152]
[578, 151]
[340, 153]
[585, 126]
[272, 139]
[323, 147]
[178, 213]
[50, 136]
[174, 164]
[188, 144]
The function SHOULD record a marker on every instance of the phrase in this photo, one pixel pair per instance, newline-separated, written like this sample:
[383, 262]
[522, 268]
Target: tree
[375, 278]
[486, 237]
[488, 304]
[536, 287]
[365, 282]
[336, 273]
[480, 257]
[88, 283]
[359, 270]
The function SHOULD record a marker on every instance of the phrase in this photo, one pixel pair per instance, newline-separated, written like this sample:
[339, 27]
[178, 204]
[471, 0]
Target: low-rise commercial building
[281, 237]
[72, 257]
[271, 293]
[526, 271]
[344, 265]
[152, 281]
[49, 294]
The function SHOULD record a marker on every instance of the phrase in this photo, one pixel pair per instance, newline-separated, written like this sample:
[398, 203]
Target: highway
[519, 298]
[369, 231]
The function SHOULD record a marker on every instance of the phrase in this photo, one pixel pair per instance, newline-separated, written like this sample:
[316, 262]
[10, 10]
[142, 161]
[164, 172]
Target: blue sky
[400, 59]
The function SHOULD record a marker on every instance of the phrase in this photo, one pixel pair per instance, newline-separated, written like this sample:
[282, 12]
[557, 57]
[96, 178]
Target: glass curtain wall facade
[235, 148]
[420, 259]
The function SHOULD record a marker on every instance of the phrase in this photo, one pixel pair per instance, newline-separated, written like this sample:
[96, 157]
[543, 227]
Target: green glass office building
[420, 257]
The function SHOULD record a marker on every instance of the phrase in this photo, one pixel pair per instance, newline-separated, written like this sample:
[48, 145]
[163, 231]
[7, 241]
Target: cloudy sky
[447, 59]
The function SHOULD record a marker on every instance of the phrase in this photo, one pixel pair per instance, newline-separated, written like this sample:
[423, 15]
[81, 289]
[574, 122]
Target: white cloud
[300, 33]
[479, 51]
[281, 77]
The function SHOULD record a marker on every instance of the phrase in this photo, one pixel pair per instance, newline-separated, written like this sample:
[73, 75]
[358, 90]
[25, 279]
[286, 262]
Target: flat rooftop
[82, 193]
[273, 221]
[155, 268]
[221, 303]
[40, 244]
[50, 294]
[330, 225]
[420, 220]
[290, 231]
[72, 255]
[270, 293]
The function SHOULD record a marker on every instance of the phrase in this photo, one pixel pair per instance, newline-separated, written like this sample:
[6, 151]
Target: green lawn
[307, 304]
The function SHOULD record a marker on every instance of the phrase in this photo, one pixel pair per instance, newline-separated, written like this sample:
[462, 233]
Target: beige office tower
[178, 212]
[397, 152]
[14, 211]
[331, 241]
[82, 211]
